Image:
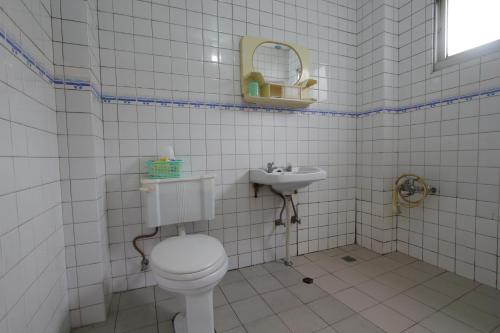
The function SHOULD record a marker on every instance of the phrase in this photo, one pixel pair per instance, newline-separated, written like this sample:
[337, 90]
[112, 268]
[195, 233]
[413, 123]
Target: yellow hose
[398, 200]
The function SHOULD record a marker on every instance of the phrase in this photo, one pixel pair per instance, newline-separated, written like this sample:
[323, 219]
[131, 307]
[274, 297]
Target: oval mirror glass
[277, 63]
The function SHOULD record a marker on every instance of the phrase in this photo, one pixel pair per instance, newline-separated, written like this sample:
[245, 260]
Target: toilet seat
[188, 258]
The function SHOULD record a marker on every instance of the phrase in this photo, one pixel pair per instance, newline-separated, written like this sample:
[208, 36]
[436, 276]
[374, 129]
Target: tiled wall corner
[377, 80]
[80, 135]
[452, 144]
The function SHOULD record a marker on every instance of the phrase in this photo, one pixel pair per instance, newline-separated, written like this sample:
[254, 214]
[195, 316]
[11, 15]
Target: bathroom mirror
[278, 63]
[275, 73]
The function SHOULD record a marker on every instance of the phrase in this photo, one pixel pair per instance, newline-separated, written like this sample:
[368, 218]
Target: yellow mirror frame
[274, 94]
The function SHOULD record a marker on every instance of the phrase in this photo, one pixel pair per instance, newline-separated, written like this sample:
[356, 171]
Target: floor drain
[349, 259]
[308, 280]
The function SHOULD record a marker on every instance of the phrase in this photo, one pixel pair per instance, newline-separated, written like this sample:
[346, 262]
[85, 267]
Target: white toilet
[188, 265]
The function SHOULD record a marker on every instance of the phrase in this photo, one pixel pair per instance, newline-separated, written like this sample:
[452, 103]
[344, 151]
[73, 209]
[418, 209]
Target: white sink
[287, 182]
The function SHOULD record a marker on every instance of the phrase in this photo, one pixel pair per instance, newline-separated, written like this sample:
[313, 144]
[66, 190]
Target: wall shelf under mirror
[275, 73]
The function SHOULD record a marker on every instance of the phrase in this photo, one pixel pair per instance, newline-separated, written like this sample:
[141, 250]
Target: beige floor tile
[281, 300]
[326, 330]
[331, 265]
[148, 329]
[115, 300]
[396, 281]
[271, 324]
[225, 318]
[334, 252]
[472, 316]
[446, 287]
[316, 256]
[219, 298]
[442, 323]
[352, 276]
[428, 296]
[252, 271]
[265, 283]
[386, 263]
[137, 297]
[237, 291]
[488, 291]
[331, 284]
[239, 329]
[274, 266]
[311, 270]
[165, 310]
[161, 294]
[409, 307]
[356, 324]
[413, 274]
[95, 329]
[400, 257]
[364, 254]
[355, 299]
[232, 277]
[387, 319]
[370, 269]
[417, 329]
[302, 320]
[428, 268]
[280, 307]
[300, 260]
[350, 247]
[165, 327]
[288, 276]
[377, 290]
[251, 309]
[460, 280]
[330, 309]
[485, 303]
[307, 292]
[134, 318]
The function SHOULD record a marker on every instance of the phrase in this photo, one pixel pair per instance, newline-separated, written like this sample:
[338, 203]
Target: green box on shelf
[164, 169]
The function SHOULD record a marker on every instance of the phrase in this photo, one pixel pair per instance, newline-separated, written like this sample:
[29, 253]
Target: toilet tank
[178, 200]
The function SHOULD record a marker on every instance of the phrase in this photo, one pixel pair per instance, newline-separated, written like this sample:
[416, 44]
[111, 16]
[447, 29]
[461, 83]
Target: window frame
[441, 58]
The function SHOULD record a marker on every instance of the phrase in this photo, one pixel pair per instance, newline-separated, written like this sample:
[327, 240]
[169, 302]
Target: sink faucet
[288, 167]
[271, 167]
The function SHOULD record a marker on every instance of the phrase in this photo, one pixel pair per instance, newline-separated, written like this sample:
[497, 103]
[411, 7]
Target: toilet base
[198, 316]
[179, 323]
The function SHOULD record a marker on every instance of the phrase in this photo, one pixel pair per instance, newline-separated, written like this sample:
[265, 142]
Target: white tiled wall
[81, 150]
[377, 77]
[151, 49]
[33, 287]
[454, 145]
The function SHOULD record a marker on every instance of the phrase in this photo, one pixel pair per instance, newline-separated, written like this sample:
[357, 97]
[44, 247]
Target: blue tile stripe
[17, 50]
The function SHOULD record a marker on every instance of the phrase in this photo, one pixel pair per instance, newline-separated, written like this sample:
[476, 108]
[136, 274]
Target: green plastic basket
[164, 169]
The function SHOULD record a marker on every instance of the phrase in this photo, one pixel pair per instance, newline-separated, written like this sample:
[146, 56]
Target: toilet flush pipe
[144, 261]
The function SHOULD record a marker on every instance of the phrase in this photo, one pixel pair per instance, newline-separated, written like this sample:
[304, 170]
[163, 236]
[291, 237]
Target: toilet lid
[187, 255]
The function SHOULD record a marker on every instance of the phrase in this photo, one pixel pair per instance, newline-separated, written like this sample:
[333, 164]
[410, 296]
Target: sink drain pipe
[291, 218]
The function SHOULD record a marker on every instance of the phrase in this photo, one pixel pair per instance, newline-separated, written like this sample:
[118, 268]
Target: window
[465, 29]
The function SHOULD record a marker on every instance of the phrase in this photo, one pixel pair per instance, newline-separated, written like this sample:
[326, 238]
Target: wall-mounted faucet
[271, 167]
